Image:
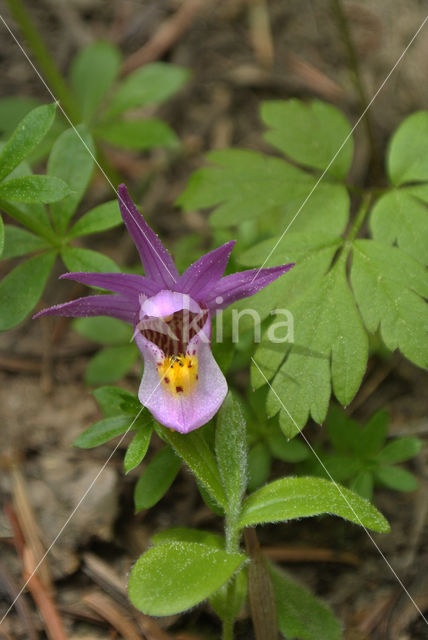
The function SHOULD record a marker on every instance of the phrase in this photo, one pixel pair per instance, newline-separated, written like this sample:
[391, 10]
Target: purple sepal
[128, 284]
[242, 285]
[115, 306]
[205, 272]
[158, 264]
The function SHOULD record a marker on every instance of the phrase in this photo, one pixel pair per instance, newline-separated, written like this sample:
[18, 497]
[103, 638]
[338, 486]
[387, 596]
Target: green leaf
[231, 452]
[310, 134]
[387, 285]
[156, 479]
[330, 349]
[104, 216]
[19, 241]
[175, 576]
[399, 217]
[407, 159]
[103, 431]
[399, 450]
[244, 185]
[363, 484]
[77, 259]
[194, 450]
[72, 160]
[150, 84]
[93, 71]
[1, 235]
[103, 329]
[111, 364]
[226, 604]
[13, 110]
[138, 134]
[373, 435]
[137, 450]
[291, 498]
[21, 289]
[300, 614]
[115, 401]
[35, 188]
[184, 534]
[396, 478]
[26, 137]
[259, 460]
[288, 451]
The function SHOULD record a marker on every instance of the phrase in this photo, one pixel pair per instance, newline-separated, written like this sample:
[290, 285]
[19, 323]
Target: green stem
[356, 225]
[43, 58]
[232, 534]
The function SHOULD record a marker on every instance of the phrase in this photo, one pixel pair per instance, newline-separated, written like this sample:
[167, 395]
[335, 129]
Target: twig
[309, 554]
[168, 33]
[260, 32]
[20, 605]
[105, 607]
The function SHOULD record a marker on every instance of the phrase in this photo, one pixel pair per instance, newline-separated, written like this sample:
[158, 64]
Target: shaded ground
[44, 404]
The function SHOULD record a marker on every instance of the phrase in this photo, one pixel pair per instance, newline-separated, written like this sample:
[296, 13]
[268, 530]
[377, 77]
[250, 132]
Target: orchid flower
[182, 385]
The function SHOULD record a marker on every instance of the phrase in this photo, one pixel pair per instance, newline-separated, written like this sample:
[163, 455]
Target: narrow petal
[158, 264]
[115, 306]
[188, 412]
[242, 285]
[205, 272]
[128, 284]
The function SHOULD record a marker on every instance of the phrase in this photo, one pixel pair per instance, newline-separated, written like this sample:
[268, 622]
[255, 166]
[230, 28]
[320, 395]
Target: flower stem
[232, 534]
[43, 58]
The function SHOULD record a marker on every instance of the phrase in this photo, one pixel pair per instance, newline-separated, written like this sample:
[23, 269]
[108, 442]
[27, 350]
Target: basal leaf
[36, 188]
[194, 450]
[244, 185]
[21, 289]
[137, 450]
[78, 259]
[103, 431]
[399, 217]
[156, 479]
[93, 71]
[407, 159]
[138, 134]
[104, 216]
[103, 330]
[175, 576]
[291, 498]
[72, 160]
[26, 137]
[310, 133]
[329, 350]
[111, 364]
[231, 452]
[388, 286]
[19, 241]
[150, 84]
[300, 614]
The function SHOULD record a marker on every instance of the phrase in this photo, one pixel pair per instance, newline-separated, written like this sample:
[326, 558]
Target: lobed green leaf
[310, 133]
[388, 286]
[407, 159]
[172, 577]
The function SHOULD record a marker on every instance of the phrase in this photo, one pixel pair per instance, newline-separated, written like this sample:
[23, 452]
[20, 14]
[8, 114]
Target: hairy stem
[43, 58]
